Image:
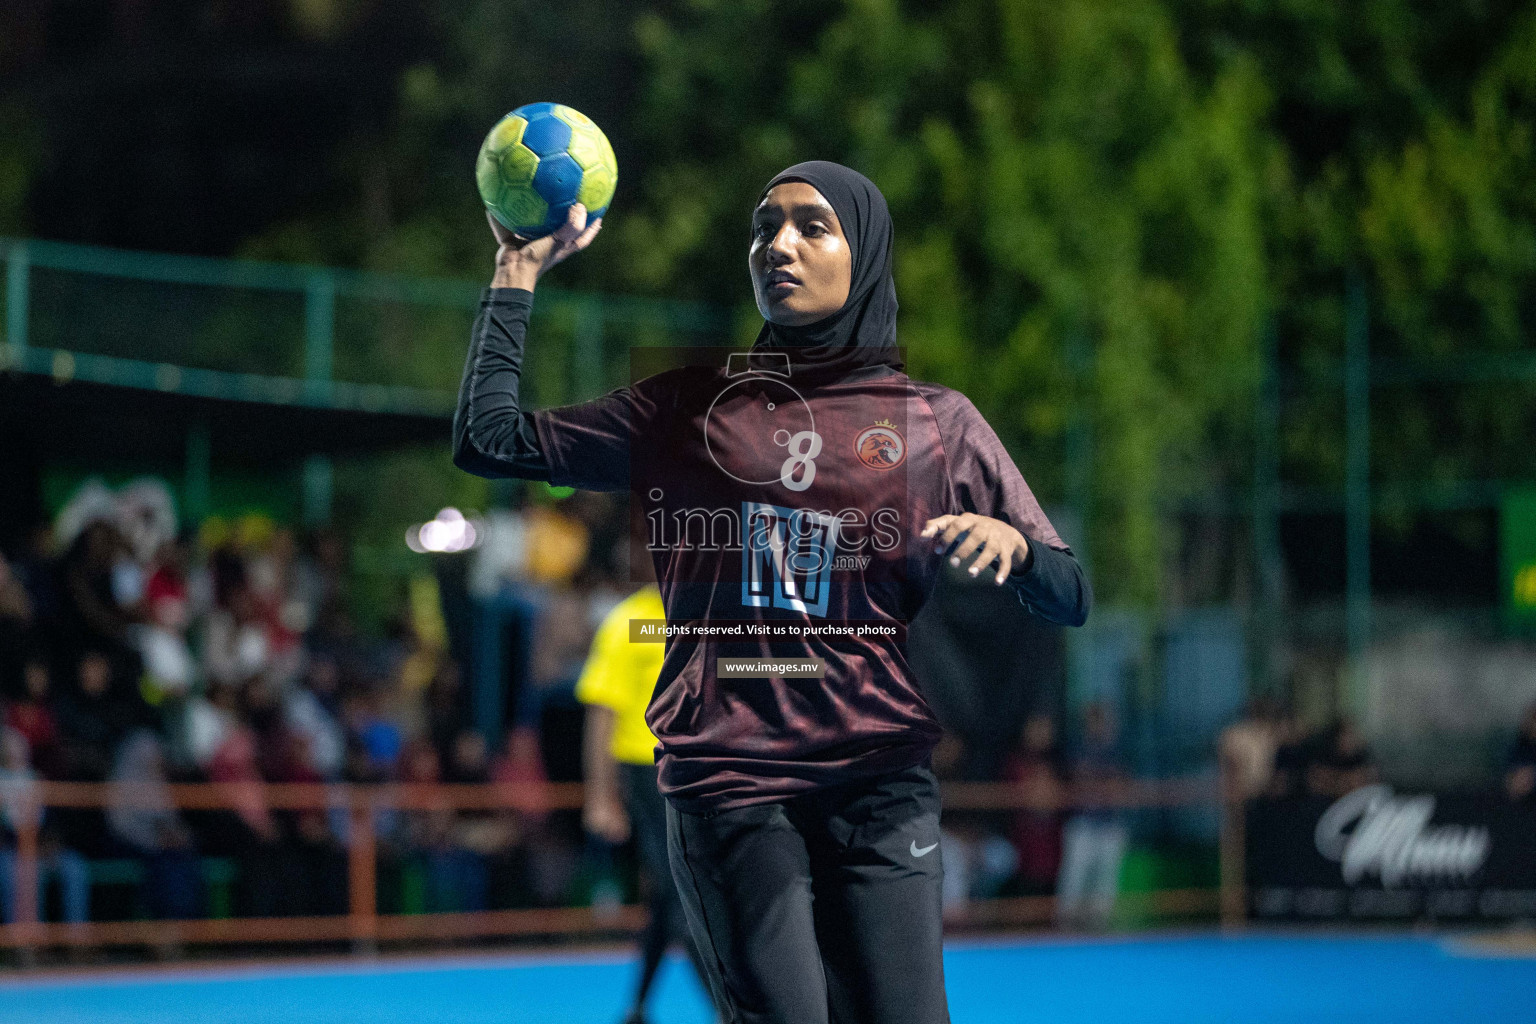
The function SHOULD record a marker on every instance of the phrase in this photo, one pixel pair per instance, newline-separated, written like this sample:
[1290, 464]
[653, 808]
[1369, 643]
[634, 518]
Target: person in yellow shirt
[619, 756]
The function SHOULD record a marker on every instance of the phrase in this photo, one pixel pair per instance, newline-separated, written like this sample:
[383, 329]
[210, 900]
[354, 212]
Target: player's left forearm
[492, 436]
[1053, 585]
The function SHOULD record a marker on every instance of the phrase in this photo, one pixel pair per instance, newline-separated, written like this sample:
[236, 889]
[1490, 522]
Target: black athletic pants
[822, 909]
[665, 921]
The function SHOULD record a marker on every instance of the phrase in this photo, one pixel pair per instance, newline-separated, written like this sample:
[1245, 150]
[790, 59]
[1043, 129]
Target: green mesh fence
[387, 341]
[310, 335]
[240, 330]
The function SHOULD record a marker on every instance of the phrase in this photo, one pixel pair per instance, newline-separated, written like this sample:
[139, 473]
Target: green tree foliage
[1406, 129]
[18, 158]
[1146, 181]
[1077, 190]
[1098, 206]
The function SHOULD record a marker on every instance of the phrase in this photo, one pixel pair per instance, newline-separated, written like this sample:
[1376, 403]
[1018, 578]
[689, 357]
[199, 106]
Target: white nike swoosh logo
[924, 851]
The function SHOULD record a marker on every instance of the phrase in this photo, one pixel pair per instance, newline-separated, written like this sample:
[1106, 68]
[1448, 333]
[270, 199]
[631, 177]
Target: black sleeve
[1053, 585]
[492, 436]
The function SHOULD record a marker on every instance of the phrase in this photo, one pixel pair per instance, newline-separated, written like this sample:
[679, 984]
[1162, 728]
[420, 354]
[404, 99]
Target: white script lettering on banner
[1371, 831]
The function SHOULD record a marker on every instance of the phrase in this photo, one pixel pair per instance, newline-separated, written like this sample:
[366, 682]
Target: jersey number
[804, 446]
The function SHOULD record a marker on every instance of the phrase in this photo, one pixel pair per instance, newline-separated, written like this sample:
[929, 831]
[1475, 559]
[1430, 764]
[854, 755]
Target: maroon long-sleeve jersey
[774, 504]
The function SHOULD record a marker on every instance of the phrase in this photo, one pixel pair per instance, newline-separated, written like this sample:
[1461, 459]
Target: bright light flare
[449, 533]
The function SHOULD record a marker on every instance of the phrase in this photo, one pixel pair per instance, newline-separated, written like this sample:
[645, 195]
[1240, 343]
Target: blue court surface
[1158, 980]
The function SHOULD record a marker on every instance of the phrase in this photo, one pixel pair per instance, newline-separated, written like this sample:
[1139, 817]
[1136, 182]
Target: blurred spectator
[379, 739]
[94, 714]
[1094, 838]
[457, 877]
[211, 717]
[143, 818]
[1293, 751]
[1247, 748]
[167, 595]
[15, 602]
[313, 863]
[234, 765]
[302, 851]
[619, 769]
[20, 805]
[551, 856]
[334, 637]
[307, 716]
[31, 716]
[315, 582]
[520, 761]
[1520, 775]
[322, 679]
[270, 566]
[501, 559]
[976, 861]
[100, 582]
[1035, 768]
[1341, 763]
[33, 567]
[249, 830]
[469, 761]
[144, 513]
[556, 541]
[562, 637]
[93, 711]
[446, 715]
[411, 666]
[169, 669]
[237, 643]
[489, 833]
[16, 618]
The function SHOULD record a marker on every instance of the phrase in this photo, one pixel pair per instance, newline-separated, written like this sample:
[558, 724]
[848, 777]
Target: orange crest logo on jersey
[880, 446]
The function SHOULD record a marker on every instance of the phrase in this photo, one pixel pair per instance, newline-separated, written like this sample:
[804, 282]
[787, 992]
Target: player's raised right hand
[520, 262]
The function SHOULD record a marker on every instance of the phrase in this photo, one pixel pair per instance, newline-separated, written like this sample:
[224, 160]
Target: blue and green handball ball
[538, 162]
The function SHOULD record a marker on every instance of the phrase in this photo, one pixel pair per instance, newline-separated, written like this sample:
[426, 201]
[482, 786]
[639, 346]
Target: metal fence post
[362, 874]
[319, 329]
[1268, 567]
[1233, 854]
[1357, 501]
[1079, 487]
[319, 366]
[18, 273]
[28, 812]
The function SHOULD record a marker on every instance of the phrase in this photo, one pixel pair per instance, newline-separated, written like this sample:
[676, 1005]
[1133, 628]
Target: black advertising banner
[1379, 855]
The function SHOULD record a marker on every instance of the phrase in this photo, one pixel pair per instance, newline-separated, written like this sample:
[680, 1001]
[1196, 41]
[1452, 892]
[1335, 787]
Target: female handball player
[800, 503]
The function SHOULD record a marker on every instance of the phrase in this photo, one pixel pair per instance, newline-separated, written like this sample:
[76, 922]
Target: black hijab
[862, 334]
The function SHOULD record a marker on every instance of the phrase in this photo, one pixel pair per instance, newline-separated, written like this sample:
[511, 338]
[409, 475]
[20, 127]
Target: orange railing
[365, 927]
[1229, 900]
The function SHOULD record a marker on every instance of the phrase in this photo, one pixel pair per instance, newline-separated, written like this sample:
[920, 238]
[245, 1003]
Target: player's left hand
[990, 540]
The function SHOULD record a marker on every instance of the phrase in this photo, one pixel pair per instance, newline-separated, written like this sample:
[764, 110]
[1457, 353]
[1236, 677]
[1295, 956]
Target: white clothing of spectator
[1092, 851]
[207, 724]
[1247, 749]
[502, 554]
[235, 652]
[975, 868]
[326, 741]
[1094, 838]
